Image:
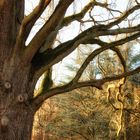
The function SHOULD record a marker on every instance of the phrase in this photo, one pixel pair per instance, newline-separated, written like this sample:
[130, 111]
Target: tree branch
[80, 15]
[96, 83]
[105, 46]
[120, 57]
[50, 27]
[137, 2]
[124, 16]
[37, 102]
[66, 21]
[86, 37]
[29, 21]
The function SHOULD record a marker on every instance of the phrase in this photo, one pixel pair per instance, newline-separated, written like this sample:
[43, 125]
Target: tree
[88, 113]
[22, 65]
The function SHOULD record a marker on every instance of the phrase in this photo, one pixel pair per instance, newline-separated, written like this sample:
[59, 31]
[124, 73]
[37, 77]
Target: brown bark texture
[16, 116]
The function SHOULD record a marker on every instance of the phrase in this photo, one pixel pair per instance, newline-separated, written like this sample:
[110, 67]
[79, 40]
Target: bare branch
[50, 27]
[120, 57]
[49, 30]
[124, 16]
[105, 46]
[71, 86]
[137, 2]
[29, 21]
[86, 37]
[80, 15]
[96, 83]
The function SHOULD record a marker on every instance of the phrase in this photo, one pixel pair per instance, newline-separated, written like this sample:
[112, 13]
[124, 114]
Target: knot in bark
[22, 98]
[7, 85]
[5, 121]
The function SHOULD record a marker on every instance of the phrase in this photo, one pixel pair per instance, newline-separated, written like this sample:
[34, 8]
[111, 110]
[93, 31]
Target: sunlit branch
[29, 21]
[49, 28]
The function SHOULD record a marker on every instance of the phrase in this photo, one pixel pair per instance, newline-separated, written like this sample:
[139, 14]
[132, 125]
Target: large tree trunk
[17, 126]
[16, 114]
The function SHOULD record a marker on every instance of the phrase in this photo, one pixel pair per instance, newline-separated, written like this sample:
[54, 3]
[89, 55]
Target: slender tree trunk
[16, 114]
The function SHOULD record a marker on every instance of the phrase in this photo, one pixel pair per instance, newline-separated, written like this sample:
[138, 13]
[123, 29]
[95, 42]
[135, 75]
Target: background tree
[21, 64]
[88, 113]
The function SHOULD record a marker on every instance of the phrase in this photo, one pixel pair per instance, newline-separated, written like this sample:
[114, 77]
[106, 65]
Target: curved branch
[120, 57]
[80, 15]
[137, 2]
[124, 16]
[66, 21]
[37, 102]
[105, 46]
[54, 24]
[86, 37]
[96, 83]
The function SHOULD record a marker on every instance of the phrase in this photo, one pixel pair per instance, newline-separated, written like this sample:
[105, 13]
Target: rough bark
[16, 124]
[16, 116]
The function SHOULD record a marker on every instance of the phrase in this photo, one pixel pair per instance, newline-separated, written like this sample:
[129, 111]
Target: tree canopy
[110, 31]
